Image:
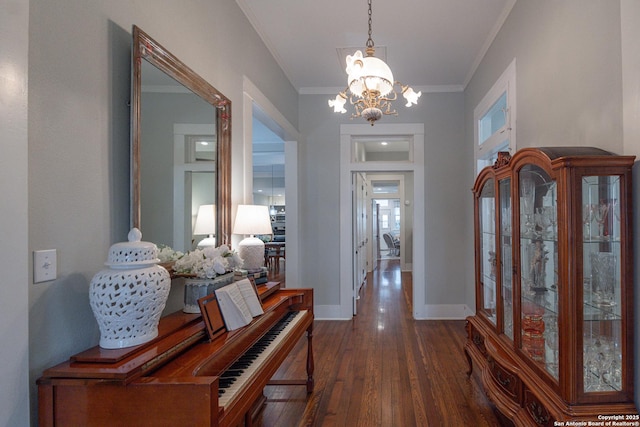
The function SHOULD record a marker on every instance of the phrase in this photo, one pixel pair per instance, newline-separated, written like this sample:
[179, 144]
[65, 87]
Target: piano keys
[182, 377]
[237, 376]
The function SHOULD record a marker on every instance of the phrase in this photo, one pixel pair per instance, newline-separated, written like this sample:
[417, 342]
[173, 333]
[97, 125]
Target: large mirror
[181, 151]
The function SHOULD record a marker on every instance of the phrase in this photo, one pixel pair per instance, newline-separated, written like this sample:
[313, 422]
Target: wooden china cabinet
[553, 332]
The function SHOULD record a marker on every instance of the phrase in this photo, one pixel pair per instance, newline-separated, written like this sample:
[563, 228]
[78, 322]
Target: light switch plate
[45, 265]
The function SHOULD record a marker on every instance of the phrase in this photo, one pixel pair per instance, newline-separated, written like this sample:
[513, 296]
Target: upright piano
[183, 377]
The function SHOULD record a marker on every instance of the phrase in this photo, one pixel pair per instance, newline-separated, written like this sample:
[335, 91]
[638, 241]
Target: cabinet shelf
[553, 311]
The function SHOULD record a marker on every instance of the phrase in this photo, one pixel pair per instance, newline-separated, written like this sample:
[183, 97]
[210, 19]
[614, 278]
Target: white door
[375, 221]
[360, 240]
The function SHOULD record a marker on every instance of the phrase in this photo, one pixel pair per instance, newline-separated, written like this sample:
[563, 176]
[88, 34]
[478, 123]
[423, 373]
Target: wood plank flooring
[382, 368]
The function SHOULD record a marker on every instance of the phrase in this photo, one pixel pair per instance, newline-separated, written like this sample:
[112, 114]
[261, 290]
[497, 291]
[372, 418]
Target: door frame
[347, 167]
[252, 95]
[359, 239]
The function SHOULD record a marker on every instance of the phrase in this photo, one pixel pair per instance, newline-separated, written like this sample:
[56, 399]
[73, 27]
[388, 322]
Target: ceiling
[432, 45]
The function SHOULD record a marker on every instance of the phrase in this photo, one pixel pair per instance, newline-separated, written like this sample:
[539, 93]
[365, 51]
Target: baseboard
[443, 312]
[427, 312]
[328, 312]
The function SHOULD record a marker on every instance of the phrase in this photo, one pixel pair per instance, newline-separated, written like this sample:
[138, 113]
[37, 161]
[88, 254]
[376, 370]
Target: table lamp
[252, 220]
[206, 225]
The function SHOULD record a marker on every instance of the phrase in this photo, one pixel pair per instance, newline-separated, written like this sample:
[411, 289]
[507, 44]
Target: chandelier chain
[369, 40]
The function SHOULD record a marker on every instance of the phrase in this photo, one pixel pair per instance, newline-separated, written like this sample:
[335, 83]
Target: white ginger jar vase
[128, 297]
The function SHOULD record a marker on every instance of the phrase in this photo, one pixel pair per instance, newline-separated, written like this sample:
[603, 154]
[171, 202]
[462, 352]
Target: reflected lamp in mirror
[252, 220]
[206, 225]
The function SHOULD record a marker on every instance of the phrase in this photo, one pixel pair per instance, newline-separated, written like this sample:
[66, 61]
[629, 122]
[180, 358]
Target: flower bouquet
[205, 271]
[207, 263]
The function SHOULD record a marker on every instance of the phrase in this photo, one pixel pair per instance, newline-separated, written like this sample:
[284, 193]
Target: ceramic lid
[134, 253]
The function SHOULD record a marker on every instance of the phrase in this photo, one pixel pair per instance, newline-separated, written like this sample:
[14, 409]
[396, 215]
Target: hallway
[382, 368]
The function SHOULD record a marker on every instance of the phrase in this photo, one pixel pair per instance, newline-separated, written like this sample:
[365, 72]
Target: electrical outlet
[45, 265]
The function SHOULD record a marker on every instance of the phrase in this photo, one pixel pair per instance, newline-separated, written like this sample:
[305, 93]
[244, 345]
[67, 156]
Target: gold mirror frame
[145, 48]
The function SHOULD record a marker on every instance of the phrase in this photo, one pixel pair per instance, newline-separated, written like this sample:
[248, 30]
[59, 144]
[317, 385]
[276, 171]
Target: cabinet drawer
[478, 340]
[508, 381]
[536, 410]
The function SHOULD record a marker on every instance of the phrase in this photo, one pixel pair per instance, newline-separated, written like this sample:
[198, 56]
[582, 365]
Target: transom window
[495, 120]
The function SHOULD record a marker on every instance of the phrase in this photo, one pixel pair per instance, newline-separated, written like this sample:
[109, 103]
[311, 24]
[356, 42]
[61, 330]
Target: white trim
[447, 312]
[308, 90]
[180, 131]
[505, 83]
[489, 41]
[347, 133]
[291, 138]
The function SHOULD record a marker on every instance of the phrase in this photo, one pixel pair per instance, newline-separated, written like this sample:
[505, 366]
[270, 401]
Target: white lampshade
[206, 225]
[252, 220]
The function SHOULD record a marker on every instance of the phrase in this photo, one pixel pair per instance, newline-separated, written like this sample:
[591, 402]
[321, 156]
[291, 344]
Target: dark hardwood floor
[382, 368]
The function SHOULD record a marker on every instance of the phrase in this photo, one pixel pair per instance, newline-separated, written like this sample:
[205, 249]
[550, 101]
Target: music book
[239, 304]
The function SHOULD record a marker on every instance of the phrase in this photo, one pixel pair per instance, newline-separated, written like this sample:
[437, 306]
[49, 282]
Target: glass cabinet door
[602, 335]
[488, 262]
[505, 257]
[539, 267]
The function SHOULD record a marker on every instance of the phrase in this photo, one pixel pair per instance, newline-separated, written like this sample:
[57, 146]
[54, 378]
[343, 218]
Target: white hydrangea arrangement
[208, 263]
[167, 255]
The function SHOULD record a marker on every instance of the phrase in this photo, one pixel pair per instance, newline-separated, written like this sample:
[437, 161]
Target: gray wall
[79, 89]
[161, 111]
[14, 288]
[75, 179]
[446, 194]
[569, 78]
[568, 75]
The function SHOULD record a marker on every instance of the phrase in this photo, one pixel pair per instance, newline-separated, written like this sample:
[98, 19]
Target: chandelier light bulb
[338, 103]
[411, 96]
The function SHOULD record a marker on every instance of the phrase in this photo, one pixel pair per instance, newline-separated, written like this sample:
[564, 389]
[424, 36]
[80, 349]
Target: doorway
[354, 157]
[389, 228]
[257, 109]
[386, 231]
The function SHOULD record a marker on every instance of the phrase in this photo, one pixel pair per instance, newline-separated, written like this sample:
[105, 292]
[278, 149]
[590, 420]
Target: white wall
[79, 73]
[14, 368]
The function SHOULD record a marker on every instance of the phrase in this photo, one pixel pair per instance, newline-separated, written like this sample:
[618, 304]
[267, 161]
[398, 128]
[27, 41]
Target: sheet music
[250, 295]
[239, 304]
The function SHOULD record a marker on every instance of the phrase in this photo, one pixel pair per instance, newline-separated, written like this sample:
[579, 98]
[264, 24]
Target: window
[495, 120]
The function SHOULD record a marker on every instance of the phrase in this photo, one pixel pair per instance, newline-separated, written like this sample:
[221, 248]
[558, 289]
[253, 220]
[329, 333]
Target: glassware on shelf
[602, 364]
[552, 215]
[603, 280]
[506, 221]
[527, 195]
[542, 221]
[602, 218]
[552, 343]
[587, 217]
[537, 265]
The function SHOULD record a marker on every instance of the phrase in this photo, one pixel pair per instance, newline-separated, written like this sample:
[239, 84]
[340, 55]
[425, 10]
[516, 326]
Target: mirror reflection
[180, 156]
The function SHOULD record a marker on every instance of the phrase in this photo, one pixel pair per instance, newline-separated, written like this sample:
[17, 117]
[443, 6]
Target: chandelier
[370, 86]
